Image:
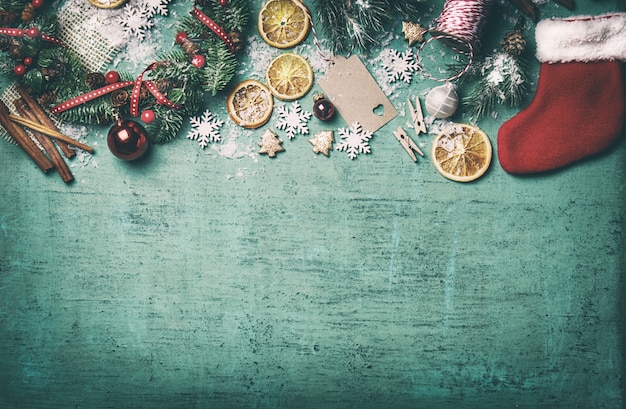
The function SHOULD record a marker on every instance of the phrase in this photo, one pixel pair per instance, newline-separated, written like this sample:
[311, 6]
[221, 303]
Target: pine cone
[28, 13]
[7, 18]
[235, 38]
[5, 43]
[15, 50]
[57, 69]
[513, 43]
[190, 48]
[119, 97]
[163, 85]
[46, 99]
[95, 80]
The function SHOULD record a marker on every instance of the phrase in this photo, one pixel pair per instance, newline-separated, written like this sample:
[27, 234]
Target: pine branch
[503, 81]
[219, 68]
[13, 5]
[349, 24]
[167, 125]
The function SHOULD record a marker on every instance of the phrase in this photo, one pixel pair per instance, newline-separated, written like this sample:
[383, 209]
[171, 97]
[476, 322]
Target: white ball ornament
[442, 101]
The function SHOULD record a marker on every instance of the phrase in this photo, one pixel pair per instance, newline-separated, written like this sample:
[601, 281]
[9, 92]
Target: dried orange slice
[462, 152]
[283, 23]
[108, 4]
[250, 104]
[289, 76]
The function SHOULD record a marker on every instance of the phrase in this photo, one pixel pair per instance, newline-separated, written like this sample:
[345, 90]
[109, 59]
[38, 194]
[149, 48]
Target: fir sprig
[58, 75]
[503, 81]
[351, 24]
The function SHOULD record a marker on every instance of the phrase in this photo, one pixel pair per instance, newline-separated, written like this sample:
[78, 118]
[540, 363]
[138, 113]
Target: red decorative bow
[134, 95]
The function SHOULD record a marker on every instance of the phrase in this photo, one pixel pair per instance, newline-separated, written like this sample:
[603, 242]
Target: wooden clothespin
[408, 144]
[417, 116]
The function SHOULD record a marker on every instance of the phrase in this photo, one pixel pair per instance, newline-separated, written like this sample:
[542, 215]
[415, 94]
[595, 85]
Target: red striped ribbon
[219, 31]
[18, 32]
[134, 95]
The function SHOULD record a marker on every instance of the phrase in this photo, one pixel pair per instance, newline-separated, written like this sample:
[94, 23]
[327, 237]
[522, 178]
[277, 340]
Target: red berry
[198, 61]
[180, 37]
[19, 70]
[148, 116]
[28, 61]
[112, 77]
[32, 32]
[37, 3]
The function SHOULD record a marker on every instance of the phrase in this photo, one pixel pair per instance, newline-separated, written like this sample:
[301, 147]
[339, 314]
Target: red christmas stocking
[578, 108]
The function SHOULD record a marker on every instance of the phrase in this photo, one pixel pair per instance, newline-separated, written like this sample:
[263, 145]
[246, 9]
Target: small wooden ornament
[442, 101]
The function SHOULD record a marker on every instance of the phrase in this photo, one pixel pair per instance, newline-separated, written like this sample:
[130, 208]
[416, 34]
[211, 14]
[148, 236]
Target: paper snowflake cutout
[354, 140]
[136, 19]
[293, 120]
[205, 129]
[400, 66]
[156, 6]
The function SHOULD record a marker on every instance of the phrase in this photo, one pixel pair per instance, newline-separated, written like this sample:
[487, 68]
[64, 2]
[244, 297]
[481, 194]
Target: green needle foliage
[57, 75]
[351, 24]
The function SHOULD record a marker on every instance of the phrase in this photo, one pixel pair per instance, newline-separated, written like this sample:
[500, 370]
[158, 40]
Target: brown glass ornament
[128, 140]
[323, 109]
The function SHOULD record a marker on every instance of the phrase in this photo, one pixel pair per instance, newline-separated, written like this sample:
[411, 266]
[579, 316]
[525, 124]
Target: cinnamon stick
[49, 147]
[44, 119]
[36, 126]
[22, 139]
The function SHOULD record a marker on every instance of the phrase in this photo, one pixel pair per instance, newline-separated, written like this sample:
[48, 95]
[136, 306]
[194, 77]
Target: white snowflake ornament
[156, 6]
[136, 19]
[400, 66]
[354, 140]
[293, 120]
[205, 129]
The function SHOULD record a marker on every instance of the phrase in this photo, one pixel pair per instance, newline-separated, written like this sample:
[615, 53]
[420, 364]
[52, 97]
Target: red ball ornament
[198, 61]
[37, 3]
[128, 140]
[19, 69]
[223, 2]
[112, 77]
[323, 109]
[180, 37]
[148, 116]
[32, 32]
[28, 61]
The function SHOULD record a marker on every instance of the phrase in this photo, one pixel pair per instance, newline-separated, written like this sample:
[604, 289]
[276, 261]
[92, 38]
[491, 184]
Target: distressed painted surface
[196, 281]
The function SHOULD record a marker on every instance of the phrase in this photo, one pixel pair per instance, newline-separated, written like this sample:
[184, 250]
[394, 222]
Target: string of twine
[316, 40]
[463, 19]
[459, 25]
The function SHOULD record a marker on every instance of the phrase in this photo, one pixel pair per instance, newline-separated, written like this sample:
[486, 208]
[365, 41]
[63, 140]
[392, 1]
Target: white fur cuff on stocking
[582, 38]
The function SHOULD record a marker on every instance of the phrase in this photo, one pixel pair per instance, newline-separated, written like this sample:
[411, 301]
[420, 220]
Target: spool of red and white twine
[459, 25]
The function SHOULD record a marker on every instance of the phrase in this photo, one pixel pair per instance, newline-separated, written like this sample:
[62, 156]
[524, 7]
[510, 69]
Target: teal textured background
[194, 280]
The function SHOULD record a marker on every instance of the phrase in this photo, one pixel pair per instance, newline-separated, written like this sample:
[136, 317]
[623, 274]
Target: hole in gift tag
[379, 110]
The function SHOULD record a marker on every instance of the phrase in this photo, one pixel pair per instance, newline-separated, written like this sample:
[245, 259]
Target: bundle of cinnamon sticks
[32, 116]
